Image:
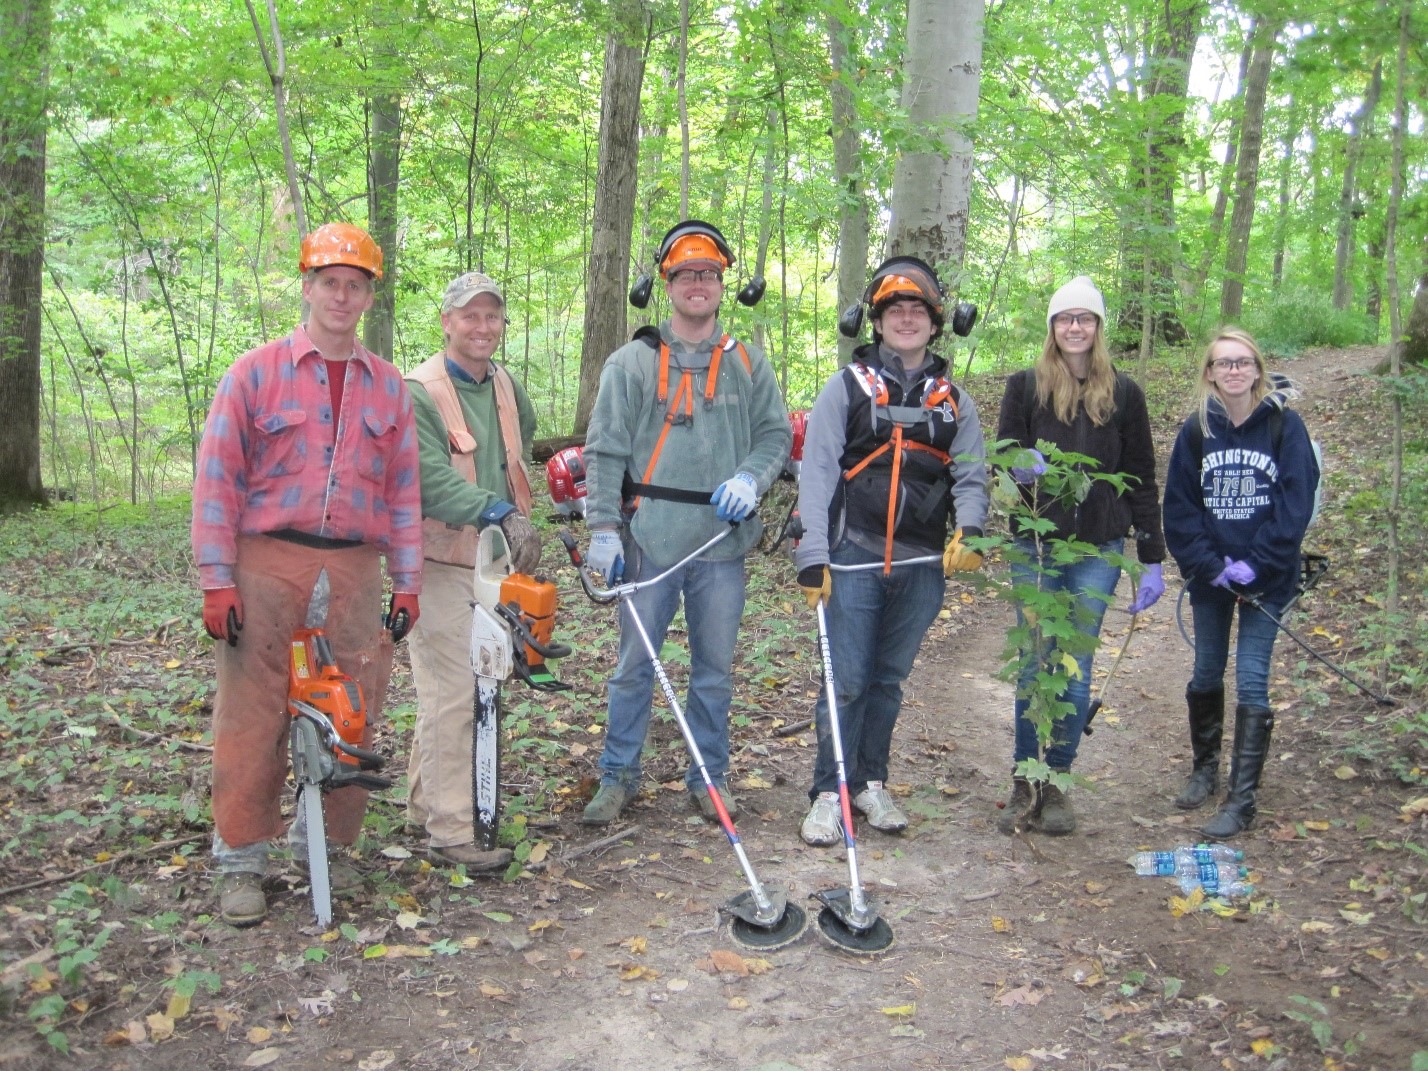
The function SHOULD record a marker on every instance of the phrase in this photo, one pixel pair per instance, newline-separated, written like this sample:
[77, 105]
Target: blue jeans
[875, 626]
[1214, 611]
[1094, 581]
[713, 594]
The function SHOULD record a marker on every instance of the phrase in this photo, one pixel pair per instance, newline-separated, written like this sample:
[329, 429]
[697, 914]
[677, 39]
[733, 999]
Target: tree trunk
[1281, 221]
[1360, 131]
[383, 171]
[615, 191]
[932, 191]
[1232, 290]
[24, 58]
[853, 223]
[1222, 191]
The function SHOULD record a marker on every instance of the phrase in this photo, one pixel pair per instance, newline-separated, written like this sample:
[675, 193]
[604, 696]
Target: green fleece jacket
[445, 495]
[744, 429]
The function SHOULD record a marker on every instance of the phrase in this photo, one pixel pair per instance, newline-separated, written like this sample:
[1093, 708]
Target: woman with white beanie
[1075, 399]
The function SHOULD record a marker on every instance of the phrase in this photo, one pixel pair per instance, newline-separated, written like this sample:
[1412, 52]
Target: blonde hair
[1263, 387]
[1060, 391]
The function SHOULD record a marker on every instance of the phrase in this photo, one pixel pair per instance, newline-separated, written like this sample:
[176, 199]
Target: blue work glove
[1029, 473]
[735, 498]
[1241, 573]
[607, 555]
[1150, 589]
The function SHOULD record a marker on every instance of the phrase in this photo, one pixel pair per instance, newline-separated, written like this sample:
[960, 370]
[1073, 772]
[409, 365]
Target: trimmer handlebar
[606, 595]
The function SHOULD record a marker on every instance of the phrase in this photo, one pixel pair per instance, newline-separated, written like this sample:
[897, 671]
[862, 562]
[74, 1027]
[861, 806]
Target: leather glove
[607, 554]
[736, 497]
[523, 541]
[817, 584]
[218, 604]
[1150, 589]
[402, 614]
[1241, 573]
[1029, 473]
[960, 559]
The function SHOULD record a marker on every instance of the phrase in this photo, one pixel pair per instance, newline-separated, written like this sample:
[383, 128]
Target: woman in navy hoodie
[1238, 497]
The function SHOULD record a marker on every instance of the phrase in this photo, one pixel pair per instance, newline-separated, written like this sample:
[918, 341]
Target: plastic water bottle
[1218, 879]
[1168, 864]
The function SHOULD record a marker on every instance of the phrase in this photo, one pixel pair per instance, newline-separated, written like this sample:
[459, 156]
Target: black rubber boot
[1207, 726]
[1253, 728]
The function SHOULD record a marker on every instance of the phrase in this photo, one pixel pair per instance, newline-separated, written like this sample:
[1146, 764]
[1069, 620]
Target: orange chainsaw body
[315, 679]
[534, 600]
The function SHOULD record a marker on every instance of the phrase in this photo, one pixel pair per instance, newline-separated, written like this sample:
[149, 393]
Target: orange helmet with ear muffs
[694, 241]
[899, 278]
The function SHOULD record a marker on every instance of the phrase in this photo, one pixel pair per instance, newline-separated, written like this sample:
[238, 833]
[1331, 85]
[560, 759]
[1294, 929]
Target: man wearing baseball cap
[308, 464]
[475, 425]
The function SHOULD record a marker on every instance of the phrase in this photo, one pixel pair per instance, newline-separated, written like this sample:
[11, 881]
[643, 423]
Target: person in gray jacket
[893, 464]
[688, 431]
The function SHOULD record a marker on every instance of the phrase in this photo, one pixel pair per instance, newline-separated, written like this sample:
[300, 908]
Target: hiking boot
[343, 879]
[699, 796]
[607, 805]
[822, 828]
[240, 899]
[1021, 801]
[474, 859]
[1207, 718]
[1052, 814]
[879, 809]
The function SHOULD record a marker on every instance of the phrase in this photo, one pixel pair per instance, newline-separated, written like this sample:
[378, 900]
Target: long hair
[1061, 392]
[1265, 385]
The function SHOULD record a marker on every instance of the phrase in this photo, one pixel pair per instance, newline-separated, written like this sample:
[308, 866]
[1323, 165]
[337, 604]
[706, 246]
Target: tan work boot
[1021, 801]
[474, 859]
[240, 899]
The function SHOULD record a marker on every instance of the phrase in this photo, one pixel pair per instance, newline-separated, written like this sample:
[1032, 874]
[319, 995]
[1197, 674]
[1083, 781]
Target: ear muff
[753, 292]
[964, 318]
[641, 291]
[850, 323]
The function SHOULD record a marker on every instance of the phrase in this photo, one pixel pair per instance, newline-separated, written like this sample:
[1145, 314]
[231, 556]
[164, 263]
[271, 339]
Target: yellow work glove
[959, 559]
[817, 584]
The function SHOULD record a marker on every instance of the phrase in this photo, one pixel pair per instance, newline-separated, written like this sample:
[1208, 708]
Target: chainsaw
[329, 720]
[512, 622]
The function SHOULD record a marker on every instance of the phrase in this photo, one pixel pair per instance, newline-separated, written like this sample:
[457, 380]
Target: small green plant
[1316, 1017]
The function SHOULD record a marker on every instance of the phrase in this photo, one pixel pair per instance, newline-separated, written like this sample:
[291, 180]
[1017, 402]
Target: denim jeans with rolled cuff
[1093, 580]
[876, 624]
[1214, 613]
[713, 593]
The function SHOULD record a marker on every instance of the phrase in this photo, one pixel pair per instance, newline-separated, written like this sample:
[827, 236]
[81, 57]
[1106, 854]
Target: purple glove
[1240, 573]
[1029, 473]
[1150, 589]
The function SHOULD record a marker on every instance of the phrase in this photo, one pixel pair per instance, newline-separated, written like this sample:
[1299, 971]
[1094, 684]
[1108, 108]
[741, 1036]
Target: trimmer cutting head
[864, 934]
[778, 927]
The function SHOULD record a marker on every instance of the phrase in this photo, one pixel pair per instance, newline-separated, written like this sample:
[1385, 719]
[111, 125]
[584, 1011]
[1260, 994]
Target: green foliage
[1297, 319]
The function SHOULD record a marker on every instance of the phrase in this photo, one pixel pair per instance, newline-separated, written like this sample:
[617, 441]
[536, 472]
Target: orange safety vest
[455, 544]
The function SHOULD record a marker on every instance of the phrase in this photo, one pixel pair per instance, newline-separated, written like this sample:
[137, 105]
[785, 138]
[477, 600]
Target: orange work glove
[223, 607]
[402, 614]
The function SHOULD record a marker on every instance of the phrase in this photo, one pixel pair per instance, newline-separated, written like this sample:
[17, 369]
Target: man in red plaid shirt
[308, 462]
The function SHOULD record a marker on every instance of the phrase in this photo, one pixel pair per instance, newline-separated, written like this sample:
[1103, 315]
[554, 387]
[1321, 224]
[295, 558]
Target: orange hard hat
[693, 244]
[340, 243]
[905, 277]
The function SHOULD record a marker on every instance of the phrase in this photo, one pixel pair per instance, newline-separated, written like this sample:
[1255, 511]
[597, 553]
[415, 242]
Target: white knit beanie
[1079, 293]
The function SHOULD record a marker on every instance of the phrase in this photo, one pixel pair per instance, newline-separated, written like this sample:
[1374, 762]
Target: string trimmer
[760, 917]
[848, 920]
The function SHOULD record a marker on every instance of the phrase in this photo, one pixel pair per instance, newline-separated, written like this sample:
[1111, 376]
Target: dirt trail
[1010, 952]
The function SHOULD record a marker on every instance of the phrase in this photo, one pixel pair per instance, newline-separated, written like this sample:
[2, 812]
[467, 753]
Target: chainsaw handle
[369, 760]
[510, 613]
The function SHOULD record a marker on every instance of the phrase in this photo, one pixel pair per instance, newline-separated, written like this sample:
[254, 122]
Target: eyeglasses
[1075, 319]
[705, 275]
[1231, 364]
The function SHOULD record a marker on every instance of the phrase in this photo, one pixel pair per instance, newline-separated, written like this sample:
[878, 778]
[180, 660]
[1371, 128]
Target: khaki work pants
[250, 717]
[439, 771]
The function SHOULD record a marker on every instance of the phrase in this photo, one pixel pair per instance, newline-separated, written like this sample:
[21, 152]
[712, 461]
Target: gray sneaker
[240, 899]
[823, 826]
[700, 798]
[878, 807]
[607, 805]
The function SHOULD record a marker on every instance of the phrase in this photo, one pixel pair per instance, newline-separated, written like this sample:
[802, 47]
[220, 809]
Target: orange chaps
[250, 717]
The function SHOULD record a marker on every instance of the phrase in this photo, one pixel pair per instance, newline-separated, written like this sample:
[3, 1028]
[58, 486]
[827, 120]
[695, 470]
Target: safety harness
[680, 411]
[456, 544]
[935, 394]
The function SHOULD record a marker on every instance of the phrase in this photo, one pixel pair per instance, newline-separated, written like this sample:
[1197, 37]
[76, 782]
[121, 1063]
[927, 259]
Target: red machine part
[798, 423]
[565, 475]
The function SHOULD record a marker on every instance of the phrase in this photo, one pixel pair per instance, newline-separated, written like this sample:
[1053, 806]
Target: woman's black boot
[1253, 728]
[1207, 726]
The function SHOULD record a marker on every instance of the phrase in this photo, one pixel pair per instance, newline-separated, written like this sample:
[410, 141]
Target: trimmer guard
[781, 925]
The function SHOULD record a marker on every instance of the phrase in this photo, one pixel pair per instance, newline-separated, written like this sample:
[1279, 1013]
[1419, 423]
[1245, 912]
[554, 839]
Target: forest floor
[1011, 952]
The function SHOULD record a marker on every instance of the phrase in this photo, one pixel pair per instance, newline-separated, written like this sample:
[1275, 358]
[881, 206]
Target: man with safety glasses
[308, 464]
[688, 431]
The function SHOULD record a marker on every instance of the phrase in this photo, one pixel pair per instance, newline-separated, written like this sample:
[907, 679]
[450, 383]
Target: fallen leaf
[179, 1004]
[1094, 887]
[1317, 926]
[1345, 773]
[738, 1003]
[637, 945]
[489, 990]
[1358, 918]
[258, 1035]
[262, 1058]
[161, 1027]
[1022, 994]
[677, 985]
[1414, 808]
[396, 851]
[1262, 1046]
[408, 920]
[726, 962]
[1318, 826]
[224, 1019]
[902, 1010]
[379, 1059]
[539, 852]
[1019, 1063]
[906, 1030]
[1000, 925]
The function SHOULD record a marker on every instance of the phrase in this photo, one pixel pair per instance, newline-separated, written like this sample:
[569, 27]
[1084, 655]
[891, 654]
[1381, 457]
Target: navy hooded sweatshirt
[1243, 503]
